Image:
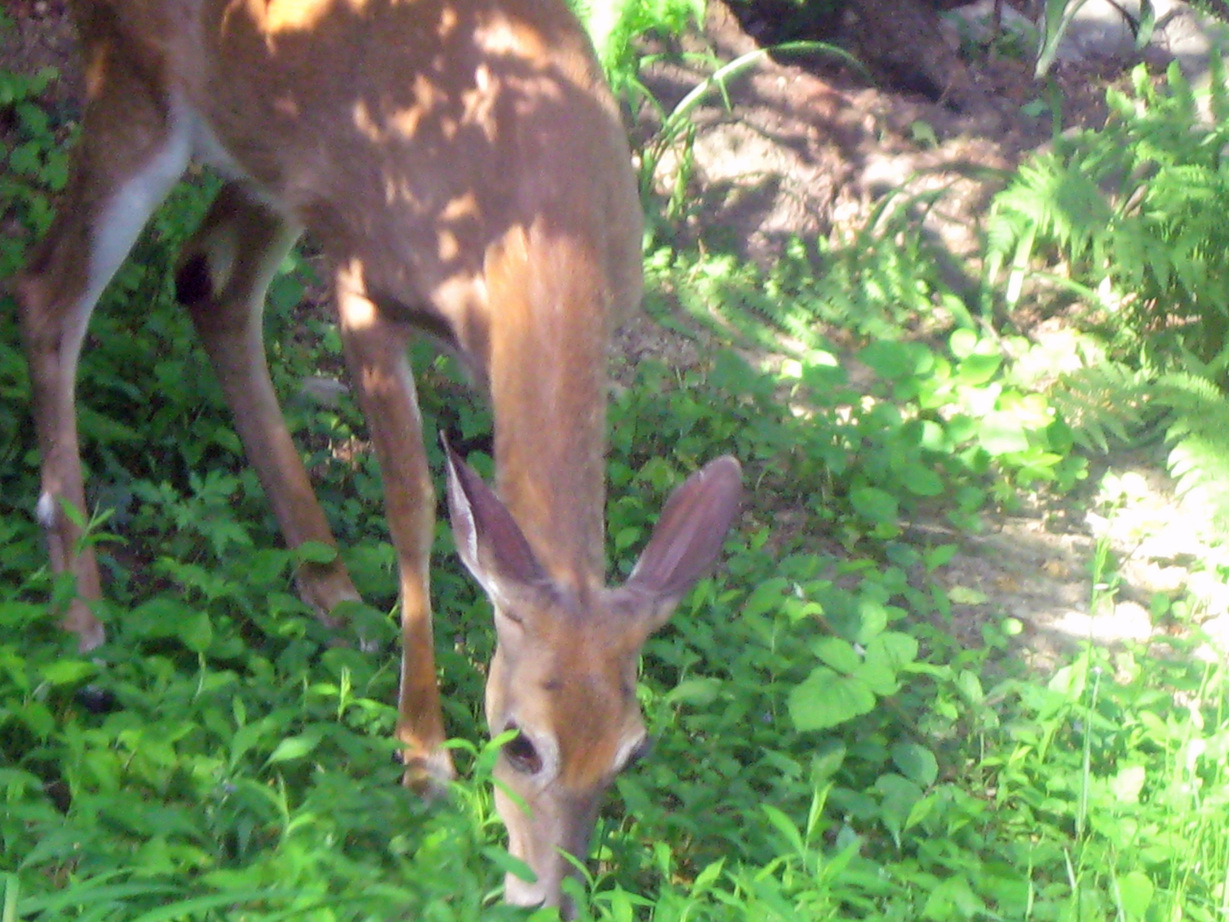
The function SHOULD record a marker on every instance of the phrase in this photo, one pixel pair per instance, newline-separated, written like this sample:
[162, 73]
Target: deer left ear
[489, 542]
[686, 540]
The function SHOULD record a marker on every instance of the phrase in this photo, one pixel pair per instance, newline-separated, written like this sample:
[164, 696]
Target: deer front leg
[224, 272]
[376, 354]
[121, 171]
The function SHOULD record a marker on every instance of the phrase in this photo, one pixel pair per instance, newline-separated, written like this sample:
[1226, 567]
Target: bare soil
[808, 145]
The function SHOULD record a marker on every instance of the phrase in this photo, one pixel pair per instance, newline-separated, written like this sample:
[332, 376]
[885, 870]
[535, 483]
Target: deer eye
[521, 753]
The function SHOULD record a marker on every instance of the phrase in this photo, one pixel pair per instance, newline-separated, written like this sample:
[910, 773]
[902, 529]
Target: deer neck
[547, 376]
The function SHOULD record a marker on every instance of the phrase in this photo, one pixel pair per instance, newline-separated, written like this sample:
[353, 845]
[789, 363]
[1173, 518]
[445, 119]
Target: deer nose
[536, 895]
[521, 893]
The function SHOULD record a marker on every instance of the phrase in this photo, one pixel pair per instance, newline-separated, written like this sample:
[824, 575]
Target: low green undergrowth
[827, 748]
[1122, 228]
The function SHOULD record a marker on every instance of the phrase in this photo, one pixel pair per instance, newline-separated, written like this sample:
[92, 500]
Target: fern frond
[1198, 436]
[1102, 402]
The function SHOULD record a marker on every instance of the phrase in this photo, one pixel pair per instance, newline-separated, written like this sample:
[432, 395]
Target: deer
[462, 166]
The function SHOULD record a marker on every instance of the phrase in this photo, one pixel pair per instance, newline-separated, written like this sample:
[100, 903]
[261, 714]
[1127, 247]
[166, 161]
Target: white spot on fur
[45, 511]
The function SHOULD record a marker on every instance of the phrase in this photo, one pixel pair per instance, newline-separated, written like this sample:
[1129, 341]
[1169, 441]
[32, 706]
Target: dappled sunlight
[464, 123]
[945, 665]
[294, 15]
[359, 312]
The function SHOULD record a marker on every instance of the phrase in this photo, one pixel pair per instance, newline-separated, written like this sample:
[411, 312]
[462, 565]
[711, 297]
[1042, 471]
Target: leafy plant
[1133, 213]
[32, 163]
[1108, 402]
[827, 748]
[616, 25]
[1130, 209]
[1056, 19]
[954, 402]
[883, 279]
[1196, 416]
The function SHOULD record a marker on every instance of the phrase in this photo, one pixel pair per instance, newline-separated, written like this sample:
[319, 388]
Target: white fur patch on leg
[131, 204]
[45, 511]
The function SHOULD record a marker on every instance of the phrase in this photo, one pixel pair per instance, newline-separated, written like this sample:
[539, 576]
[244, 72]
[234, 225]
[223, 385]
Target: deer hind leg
[224, 272]
[376, 354]
[130, 156]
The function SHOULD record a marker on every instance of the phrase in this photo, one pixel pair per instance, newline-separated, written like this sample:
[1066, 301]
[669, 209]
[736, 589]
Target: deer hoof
[428, 776]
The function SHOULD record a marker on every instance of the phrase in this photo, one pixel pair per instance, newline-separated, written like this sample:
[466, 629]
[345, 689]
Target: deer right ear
[489, 542]
[686, 540]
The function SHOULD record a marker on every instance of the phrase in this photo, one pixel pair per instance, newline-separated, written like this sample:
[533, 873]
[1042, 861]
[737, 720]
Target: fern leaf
[1102, 402]
[1198, 436]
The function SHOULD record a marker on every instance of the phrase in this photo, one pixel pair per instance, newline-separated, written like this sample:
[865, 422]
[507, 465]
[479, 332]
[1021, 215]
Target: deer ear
[489, 542]
[686, 540]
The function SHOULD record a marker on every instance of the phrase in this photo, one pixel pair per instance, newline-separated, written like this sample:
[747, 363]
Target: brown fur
[462, 166]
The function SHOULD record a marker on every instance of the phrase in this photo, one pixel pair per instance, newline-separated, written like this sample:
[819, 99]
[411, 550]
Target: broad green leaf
[784, 825]
[316, 552]
[1135, 894]
[968, 683]
[707, 877]
[295, 747]
[922, 481]
[874, 504]
[244, 739]
[766, 597]
[1128, 784]
[953, 899]
[196, 632]
[837, 653]
[886, 655]
[967, 595]
[507, 863]
[826, 699]
[829, 757]
[872, 619]
[939, 556]
[899, 795]
[889, 359]
[197, 906]
[168, 617]
[697, 692]
[963, 343]
[978, 369]
[68, 672]
[917, 763]
[1001, 434]
[1069, 681]
[920, 810]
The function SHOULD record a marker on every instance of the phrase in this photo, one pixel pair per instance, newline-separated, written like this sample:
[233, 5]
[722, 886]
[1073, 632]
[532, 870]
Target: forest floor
[805, 149]
[808, 146]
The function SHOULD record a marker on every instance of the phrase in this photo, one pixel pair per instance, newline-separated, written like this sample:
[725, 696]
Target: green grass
[827, 749]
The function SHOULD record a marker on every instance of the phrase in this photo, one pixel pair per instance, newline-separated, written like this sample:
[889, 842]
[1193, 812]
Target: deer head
[563, 676]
